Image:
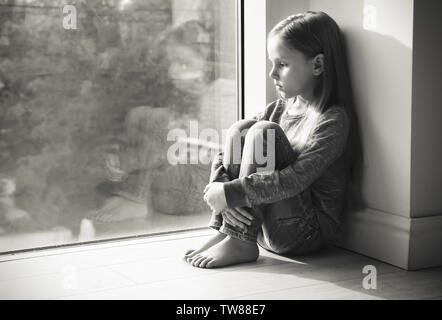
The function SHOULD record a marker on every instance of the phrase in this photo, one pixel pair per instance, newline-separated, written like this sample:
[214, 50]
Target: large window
[109, 113]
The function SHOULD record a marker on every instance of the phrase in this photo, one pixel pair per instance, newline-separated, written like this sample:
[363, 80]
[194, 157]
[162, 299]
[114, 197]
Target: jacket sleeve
[268, 187]
[218, 172]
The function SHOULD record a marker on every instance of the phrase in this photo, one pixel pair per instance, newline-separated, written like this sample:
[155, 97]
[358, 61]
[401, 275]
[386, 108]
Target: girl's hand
[237, 217]
[215, 197]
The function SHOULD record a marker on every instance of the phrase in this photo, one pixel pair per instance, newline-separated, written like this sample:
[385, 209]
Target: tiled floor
[152, 268]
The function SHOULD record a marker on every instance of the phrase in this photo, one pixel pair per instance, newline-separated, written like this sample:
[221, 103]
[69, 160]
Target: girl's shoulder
[334, 118]
[336, 112]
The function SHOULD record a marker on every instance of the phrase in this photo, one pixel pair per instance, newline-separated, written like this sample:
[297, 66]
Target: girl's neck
[297, 105]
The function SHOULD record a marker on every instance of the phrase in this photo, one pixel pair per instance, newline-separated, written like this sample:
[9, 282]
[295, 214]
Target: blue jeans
[289, 226]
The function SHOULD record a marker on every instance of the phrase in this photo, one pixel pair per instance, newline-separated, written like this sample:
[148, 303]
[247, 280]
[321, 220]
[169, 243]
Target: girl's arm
[269, 187]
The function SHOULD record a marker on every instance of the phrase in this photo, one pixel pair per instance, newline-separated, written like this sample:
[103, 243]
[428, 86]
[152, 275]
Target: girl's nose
[273, 74]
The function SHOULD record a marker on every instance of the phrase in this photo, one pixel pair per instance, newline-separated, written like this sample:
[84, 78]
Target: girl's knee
[240, 127]
[261, 129]
[264, 124]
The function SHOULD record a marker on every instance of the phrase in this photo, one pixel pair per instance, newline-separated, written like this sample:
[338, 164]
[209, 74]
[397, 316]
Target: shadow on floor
[335, 269]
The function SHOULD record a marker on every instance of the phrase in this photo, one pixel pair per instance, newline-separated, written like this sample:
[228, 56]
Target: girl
[310, 134]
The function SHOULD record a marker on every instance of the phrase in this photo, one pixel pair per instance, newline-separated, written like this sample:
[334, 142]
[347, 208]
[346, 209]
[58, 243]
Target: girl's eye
[282, 65]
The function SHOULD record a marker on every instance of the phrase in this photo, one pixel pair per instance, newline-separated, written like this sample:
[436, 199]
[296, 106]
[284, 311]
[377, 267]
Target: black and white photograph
[222, 155]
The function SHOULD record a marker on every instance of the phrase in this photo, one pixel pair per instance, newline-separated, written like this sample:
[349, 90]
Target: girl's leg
[231, 167]
[266, 148]
[289, 226]
[263, 141]
[232, 159]
[240, 245]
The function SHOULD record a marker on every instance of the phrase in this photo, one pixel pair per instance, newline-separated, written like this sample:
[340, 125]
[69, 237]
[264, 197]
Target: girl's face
[292, 72]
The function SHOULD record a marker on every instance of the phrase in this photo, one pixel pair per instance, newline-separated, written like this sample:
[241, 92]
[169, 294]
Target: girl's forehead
[279, 50]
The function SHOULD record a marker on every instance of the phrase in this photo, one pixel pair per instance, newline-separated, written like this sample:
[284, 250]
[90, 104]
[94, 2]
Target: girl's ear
[318, 64]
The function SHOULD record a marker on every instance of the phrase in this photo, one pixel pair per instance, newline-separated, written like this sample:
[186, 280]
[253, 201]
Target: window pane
[89, 96]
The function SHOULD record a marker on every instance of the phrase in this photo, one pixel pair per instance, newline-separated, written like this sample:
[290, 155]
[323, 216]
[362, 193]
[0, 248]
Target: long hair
[313, 33]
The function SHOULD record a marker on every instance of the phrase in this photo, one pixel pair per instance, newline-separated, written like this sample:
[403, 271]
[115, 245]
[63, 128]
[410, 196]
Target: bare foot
[212, 241]
[228, 251]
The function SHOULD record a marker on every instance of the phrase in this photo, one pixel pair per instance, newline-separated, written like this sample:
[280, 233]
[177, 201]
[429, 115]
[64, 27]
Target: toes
[191, 256]
[197, 260]
[203, 264]
[210, 264]
[192, 259]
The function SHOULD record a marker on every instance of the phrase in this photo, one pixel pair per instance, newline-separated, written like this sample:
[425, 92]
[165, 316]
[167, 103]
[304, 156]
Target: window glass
[110, 113]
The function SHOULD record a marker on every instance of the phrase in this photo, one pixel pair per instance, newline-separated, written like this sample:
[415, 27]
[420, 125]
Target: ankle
[245, 243]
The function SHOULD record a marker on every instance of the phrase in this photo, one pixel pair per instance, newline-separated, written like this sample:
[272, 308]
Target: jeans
[289, 226]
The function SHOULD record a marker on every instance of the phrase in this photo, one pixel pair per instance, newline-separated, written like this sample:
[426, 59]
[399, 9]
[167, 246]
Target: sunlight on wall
[378, 15]
[369, 21]
[254, 56]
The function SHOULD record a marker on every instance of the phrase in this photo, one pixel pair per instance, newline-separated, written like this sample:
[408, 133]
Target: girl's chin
[284, 95]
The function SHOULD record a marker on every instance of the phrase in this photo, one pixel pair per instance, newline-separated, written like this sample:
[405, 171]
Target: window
[90, 96]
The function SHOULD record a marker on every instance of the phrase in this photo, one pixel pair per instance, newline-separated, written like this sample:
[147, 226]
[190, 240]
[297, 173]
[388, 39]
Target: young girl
[310, 132]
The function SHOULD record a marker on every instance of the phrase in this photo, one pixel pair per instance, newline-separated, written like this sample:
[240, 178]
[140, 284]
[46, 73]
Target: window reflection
[85, 115]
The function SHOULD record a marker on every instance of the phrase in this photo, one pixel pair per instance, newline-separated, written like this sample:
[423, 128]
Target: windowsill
[104, 244]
